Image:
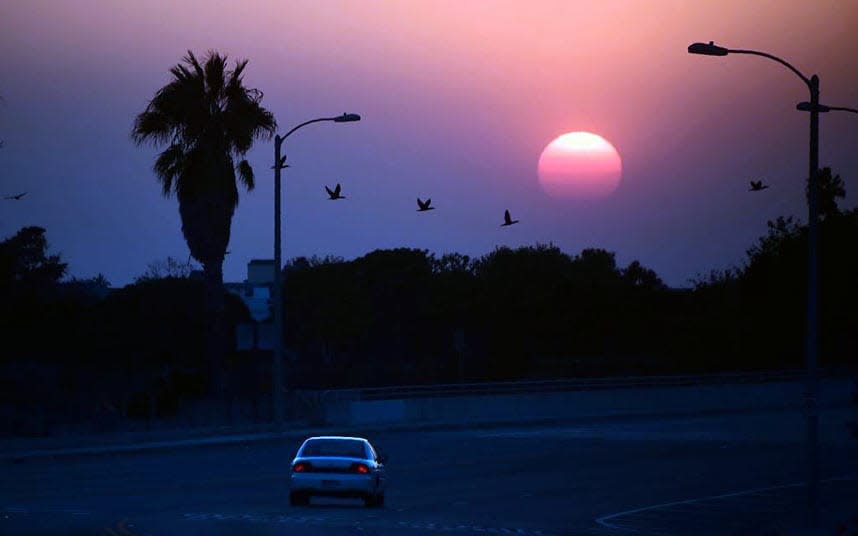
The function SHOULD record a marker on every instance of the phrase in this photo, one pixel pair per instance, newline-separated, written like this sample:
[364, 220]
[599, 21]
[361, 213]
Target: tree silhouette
[159, 327]
[25, 263]
[209, 119]
[756, 313]
[641, 277]
[405, 316]
[29, 279]
[169, 267]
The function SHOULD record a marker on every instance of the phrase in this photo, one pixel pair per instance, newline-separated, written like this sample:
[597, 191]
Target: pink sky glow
[458, 99]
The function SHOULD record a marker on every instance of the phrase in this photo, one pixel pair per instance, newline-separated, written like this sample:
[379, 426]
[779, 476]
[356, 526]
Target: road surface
[727, 474]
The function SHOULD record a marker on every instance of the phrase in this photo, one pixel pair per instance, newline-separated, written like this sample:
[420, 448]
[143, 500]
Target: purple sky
[458, 101]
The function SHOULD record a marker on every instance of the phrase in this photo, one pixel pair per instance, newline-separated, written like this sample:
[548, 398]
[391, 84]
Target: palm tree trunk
[215, 326]
[205, 224]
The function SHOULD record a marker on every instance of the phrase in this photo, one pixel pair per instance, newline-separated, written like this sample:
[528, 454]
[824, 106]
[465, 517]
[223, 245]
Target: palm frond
[191, 81]
[245, 125]
[244, 118]
[215, 67]
[245, 174]
[182, 102]
[191, 60]
[180, 72]
[152, 126]
[199, 173]
[235, 76]
[169, 167]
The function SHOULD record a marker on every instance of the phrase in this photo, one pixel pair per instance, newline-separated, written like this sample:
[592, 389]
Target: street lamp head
[707, 49]
[346, 118]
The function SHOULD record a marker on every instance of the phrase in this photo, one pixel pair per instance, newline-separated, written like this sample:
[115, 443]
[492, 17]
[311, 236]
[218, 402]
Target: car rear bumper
[335, 484]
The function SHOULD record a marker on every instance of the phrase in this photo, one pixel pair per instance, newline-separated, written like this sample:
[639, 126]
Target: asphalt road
[730, 474]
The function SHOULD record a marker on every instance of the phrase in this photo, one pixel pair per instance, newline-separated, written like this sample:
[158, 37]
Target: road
[727, 474]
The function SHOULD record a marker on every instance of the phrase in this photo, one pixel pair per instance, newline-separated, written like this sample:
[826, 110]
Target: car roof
[337, 437]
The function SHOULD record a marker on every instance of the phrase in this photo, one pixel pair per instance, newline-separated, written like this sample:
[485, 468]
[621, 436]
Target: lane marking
[604, 520]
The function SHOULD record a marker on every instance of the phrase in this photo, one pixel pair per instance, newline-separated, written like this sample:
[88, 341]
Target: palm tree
[207, 119]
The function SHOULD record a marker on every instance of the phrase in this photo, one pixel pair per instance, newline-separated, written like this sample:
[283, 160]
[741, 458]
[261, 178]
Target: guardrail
[546, 386]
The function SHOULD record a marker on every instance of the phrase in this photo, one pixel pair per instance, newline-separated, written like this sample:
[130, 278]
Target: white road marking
[604, 520]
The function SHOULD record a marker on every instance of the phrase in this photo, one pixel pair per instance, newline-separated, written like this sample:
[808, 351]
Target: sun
[580, 165]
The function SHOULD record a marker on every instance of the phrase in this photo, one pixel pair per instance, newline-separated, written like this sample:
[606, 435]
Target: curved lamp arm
[711, 49]
[345, 118]
[805, 79]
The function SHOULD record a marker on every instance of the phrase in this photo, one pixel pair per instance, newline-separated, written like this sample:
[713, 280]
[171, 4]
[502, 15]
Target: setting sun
[579, 165]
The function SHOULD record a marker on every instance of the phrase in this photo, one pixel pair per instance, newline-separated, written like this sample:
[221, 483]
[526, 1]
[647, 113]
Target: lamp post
[811, 349]
[279, 164]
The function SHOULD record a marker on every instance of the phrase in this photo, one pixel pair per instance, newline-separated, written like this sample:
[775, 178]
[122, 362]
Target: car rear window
[347, 448]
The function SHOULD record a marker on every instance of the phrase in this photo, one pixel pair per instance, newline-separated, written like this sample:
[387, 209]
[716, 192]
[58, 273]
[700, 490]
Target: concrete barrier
[560, 406]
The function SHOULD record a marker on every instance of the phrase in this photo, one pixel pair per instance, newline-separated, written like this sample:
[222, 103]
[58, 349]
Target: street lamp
[711, 49]
[279, 164]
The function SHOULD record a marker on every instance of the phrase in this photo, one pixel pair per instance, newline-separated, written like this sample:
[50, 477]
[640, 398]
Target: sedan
[334, 466]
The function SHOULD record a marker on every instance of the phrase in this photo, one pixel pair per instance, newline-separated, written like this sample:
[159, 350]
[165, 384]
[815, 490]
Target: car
[337, 466]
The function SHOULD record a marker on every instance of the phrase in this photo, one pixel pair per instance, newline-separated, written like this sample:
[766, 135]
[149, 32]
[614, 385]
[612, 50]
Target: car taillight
[302, 467]
[360, 468]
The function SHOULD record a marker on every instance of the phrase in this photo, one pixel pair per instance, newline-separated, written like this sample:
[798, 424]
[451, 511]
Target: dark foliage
[831, 188]
[761, 308]
[406, 316]
[76, 351]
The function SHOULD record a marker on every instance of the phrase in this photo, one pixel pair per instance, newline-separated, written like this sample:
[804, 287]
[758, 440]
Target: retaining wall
[559, 406]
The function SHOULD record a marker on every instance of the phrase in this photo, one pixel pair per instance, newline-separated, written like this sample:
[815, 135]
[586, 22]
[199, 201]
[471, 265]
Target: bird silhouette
[424, 205]
[757, 186]
[281, 164]
[16, 197]
[335, 193]
[507, 220]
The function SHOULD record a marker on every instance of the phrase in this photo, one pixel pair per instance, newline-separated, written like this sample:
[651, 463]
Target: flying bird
[507, 220]
[424, 205]
[335, 193]
[16, 197]
[757, 186]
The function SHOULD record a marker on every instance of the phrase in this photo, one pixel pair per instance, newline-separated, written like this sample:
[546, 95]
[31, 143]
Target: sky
[458, 100]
